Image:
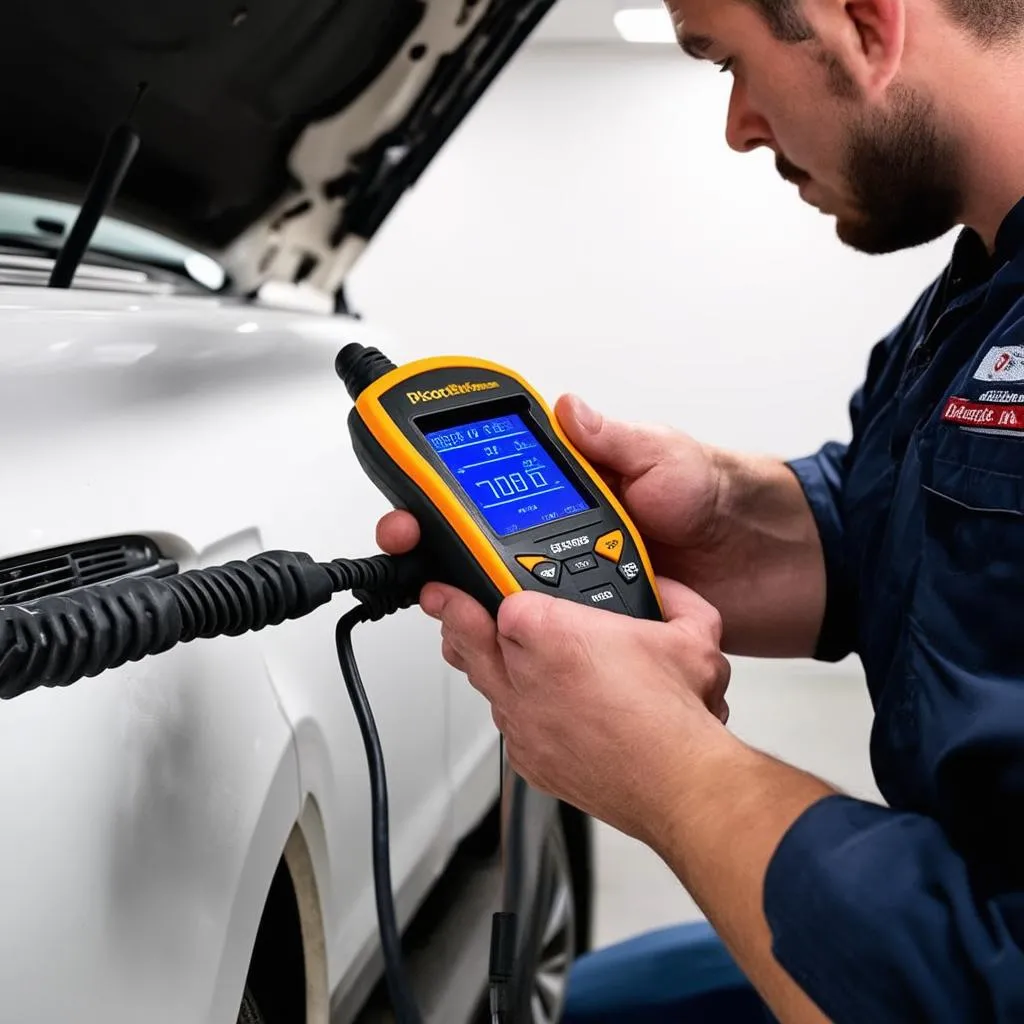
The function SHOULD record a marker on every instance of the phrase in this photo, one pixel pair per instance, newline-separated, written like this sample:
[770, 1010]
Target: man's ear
[867, 37]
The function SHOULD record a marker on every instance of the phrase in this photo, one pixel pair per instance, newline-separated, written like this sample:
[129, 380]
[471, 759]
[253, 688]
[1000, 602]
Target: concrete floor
[817, 717]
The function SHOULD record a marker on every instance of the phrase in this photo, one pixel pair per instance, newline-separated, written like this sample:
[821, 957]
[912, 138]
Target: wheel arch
[305, 856]
[288, 969]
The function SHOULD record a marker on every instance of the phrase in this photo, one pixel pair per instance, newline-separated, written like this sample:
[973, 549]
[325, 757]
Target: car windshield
[44, 223]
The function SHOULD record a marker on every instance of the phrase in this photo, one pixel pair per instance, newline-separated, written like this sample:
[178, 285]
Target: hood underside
[276, 135]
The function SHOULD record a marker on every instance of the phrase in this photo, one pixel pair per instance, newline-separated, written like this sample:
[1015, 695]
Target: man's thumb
[623, 448]
[681, 603]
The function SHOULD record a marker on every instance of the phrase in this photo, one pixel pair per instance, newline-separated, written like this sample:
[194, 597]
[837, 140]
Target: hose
[58, 640]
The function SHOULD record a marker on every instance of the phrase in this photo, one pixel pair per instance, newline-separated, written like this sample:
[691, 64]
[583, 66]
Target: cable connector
[385, 585]
[502, 966]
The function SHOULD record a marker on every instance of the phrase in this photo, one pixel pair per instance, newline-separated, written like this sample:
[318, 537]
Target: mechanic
[902, 119]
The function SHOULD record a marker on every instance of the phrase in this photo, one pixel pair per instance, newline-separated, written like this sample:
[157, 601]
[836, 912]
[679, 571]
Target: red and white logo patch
[1003, 363]
[988, 415]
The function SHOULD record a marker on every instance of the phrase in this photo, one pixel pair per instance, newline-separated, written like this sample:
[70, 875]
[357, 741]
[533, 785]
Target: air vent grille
[42, 573]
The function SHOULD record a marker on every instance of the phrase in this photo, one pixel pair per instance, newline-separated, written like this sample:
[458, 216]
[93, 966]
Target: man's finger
[723, 712]
[542, 636]
[525, 617]
[682, 603]
[452, 656]
[470, 634]
[626, 449]
[398, 533]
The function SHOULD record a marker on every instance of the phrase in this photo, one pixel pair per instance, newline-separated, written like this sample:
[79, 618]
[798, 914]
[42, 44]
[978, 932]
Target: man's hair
[990, 21]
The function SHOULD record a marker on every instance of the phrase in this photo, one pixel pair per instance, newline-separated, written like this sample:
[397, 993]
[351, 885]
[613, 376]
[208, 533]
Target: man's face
[886, 170]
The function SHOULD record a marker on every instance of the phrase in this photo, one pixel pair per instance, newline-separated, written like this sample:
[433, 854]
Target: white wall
[589, 226]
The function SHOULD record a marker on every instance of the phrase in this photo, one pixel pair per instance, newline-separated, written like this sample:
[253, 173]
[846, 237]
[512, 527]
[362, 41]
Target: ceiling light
[645, 25]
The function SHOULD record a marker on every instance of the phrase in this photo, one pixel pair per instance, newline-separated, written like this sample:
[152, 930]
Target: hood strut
[118, 153]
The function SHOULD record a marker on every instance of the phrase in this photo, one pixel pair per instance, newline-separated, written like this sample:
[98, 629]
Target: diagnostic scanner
[504, 501]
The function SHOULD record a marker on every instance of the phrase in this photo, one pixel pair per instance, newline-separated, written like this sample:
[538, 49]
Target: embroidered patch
[1001, 396]
[1003, 363]
[993, 415]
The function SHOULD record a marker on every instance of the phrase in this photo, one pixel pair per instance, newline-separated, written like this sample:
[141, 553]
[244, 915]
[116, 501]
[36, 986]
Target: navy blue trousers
[678, 975]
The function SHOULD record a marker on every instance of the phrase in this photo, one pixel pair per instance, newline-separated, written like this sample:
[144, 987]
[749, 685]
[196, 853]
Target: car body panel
[142, 812]
[151, 805]
[149, 809]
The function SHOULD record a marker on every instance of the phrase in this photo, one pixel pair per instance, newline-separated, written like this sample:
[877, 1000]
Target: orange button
[530, 562]
[610, 546]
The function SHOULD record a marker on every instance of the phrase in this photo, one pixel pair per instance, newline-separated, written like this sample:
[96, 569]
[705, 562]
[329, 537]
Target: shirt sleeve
[916, 913]
[876, 916]
[821, 477]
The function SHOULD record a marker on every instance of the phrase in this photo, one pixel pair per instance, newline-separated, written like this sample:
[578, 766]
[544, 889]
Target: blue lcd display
[507, 474]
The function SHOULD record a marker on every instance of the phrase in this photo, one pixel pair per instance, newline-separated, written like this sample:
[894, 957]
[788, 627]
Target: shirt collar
[1010, 236]
[972, 264]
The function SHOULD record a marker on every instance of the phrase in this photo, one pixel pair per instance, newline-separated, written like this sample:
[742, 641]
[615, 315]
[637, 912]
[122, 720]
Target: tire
[249, 1012]
[554, 940]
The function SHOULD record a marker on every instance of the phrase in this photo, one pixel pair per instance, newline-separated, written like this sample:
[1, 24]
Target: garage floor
[817, 717]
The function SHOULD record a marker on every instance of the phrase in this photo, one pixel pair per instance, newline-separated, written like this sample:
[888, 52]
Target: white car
[185, 840]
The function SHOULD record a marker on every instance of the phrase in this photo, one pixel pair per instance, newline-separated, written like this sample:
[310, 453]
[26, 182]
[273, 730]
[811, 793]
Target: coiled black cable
[57, 640]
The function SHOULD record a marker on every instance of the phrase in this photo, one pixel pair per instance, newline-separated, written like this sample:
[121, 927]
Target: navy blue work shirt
[915, 911]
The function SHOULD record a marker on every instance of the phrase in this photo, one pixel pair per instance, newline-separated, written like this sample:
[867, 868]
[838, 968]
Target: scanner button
[629, 571]
[610, 545]
[581, 563]
[568, 545]
[606, 597]
[530, 562]
[548, 572]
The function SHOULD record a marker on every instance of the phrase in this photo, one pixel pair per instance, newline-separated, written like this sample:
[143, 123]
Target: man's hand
[735, 529]
[623, 718]
[596, 707]
[670, 484]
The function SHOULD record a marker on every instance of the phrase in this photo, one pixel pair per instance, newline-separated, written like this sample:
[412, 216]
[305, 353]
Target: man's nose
[745, 129]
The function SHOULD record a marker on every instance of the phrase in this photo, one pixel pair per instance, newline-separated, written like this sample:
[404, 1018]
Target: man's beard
[903, 176]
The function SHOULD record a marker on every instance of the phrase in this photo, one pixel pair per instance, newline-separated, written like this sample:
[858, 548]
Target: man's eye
[724, 66]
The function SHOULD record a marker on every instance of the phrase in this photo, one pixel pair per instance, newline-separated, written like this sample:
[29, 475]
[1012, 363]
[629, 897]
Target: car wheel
[555, 929]
[249, 1012]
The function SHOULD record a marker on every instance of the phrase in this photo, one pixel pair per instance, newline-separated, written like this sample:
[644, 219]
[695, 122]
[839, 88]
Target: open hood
[276, 135]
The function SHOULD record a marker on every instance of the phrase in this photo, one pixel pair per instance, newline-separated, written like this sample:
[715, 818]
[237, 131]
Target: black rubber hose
[403, 1003]
[55, 641]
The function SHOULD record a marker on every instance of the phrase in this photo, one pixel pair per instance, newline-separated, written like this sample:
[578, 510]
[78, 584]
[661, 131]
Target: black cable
[57, 640]
[502, 966]
[403, 1003]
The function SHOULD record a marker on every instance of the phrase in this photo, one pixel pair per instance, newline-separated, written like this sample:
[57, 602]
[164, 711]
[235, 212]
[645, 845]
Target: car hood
[276, 135]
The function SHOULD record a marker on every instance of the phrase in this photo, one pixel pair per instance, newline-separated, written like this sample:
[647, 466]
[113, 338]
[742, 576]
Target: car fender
[145, 811]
